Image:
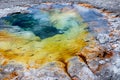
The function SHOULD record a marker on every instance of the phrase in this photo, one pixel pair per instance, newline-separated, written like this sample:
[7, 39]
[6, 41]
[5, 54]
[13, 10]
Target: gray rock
[51, 71]
[79, 70]
[115, 77]
[103, 38]
[8, 68]
[105, 74]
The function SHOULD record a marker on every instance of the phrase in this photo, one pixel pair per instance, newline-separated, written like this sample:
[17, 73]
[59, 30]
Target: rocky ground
[110, 5]
[99, 63]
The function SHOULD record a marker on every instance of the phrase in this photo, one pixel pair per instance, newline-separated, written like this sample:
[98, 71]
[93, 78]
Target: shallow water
[48, 33]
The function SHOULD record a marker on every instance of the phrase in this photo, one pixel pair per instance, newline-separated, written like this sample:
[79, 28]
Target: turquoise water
[40, 27]
[38, 20]
[53, 32]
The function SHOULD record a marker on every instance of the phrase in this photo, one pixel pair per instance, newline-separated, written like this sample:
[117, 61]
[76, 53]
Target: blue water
[39, 23]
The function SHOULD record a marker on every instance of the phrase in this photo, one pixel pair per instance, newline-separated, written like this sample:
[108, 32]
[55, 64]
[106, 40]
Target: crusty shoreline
[113, 6]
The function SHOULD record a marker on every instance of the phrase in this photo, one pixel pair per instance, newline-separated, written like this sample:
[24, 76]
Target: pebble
[103, 38]
[102, 62]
